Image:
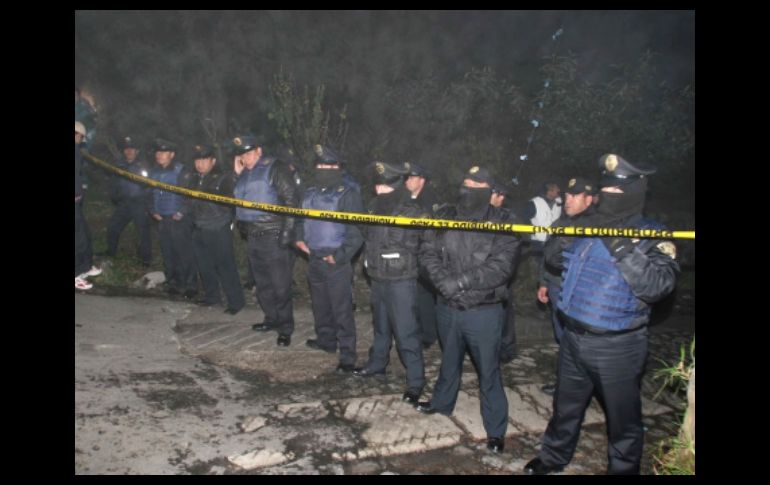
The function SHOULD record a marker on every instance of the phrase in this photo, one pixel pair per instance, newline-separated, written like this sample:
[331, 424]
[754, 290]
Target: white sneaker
[82, 284]
[94, 271]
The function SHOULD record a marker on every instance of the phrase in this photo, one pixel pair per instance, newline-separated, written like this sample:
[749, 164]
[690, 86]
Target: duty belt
[580, 328]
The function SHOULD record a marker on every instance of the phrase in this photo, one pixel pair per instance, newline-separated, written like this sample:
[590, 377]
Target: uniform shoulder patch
[668, 248]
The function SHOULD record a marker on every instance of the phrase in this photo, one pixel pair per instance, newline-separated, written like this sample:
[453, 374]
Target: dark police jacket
[484, 260]
[211, 215]
[125, 189]
[281, 185]
[391, 251]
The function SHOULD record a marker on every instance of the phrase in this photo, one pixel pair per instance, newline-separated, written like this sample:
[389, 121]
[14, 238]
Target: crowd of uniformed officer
[425, 284]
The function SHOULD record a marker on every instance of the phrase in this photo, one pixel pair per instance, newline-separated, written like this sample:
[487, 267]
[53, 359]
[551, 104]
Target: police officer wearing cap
[423, 193]
[212, 234]
[608, 287]
[390, 258]
[330, 246]
[508, 347]
[174, 229]
[130, 199]
[471, 269]
[265, 179]
[578, 206]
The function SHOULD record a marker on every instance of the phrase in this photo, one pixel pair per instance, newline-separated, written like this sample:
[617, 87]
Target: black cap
[579, 185]
[128, 142]
[416, 170]
[618, 171]
[479, 174]
[245, 143]
[386, 173]
[502, 189]
[203, 151]
[162, 145]
[324, 154]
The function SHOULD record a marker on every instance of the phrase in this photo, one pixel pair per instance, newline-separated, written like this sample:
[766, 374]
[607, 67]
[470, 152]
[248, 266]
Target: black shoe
[284, 340]
[426, 345]
[549, 389]
[263, 327]
[425, 407]
[537, 467]
[411, 397]
[232, 311]
[313, 344]
[344, 369]
[190, 294]
[364, 372]
[496, 445]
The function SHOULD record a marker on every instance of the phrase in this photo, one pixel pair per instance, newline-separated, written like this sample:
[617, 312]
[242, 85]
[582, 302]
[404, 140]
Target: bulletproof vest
[167, 203]
[391, 252]
[128, 189]
[593, 289]
[322, 234]
[254, 185]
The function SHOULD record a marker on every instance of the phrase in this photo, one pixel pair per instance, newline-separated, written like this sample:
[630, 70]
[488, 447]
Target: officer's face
[577, 203]
[130, 154]
[553, 192]
[414, 184]
[164, 158]
[497, 199]
[78, 138]
[204, 165]
[250, 158]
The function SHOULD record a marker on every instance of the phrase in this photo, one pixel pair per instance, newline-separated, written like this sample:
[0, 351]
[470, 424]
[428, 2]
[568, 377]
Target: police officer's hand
[542, 294]
[302, 247]
[619, 247]
[452, 286]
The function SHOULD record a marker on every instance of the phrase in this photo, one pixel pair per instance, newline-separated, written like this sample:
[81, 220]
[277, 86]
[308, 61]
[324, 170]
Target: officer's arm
[430, 261]
[496, 269]
[287, 192]
[351, 202]
[651, 273]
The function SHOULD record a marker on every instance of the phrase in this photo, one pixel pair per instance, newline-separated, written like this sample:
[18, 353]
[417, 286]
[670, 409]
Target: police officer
[263, 178]
[508, 349]
[130, 199]
[330, 247]
[470, 270]
[212, 234]
[390, 258]
[83, 251]
[174, 229]
[423, 194]
[578, 205]
[608, 286]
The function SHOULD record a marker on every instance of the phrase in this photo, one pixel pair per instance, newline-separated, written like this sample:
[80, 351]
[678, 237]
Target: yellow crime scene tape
[398, 220]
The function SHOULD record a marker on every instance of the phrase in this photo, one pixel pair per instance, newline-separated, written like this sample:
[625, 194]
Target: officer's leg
[167, 253]
[279, 272]
[188, 271]
[448, 383]
[142, 224]
[323, 318]
[508, 349]
[426, 313]
[258, 254]
[481, 329]
[618, 362]
[573, 393]
[118, 221]
[83, 254]
[226, 268]
[400, 304]
[202, 247]
[339, 282]
[379, 355]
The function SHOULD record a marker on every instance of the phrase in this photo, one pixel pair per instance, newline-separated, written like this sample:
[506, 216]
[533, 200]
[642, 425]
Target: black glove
[452, 286]
[287, 237]
[619, 247]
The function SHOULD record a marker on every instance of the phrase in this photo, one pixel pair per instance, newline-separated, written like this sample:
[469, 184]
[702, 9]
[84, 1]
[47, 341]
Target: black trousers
[126, 212]
[426, 312]
[215, 258]
[330, 292]
[177, 251]
[612, 366]
[270, 265]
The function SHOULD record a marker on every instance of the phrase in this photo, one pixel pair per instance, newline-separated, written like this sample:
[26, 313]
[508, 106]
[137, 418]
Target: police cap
[386, 173]
[579, 185]
[162, 145]
[245, 143]
[416, 170]
[480, 174]
[324, 154]
[203, 151]
[502, 189]
[128, 142]
[617, 171]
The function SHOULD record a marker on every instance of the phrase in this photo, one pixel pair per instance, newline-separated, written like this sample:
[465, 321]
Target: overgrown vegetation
[676, 455]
